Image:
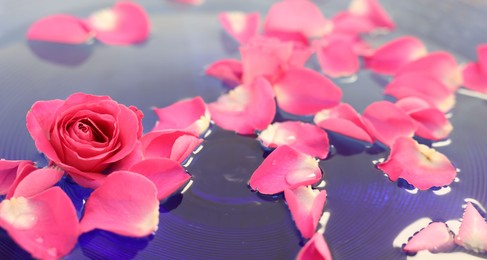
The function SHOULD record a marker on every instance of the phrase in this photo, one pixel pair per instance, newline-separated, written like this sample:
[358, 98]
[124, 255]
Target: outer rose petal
[31, 183]
[306, 206]
[390, 57]
[337, 58]
[45, 225]
[189, 115]
[10, 171]
[474, 78]
[245, 109]
[228, 70]
[473, 231]
[315, 248]
[302, 91]
[386, 122]
[166, 174]
[239, 25]
[285, 168]
[436, 237]
[419, 165]
[304, 137]
[126, 23]
[128, 210]
[60, 28]
[175, 145]
[373, 12]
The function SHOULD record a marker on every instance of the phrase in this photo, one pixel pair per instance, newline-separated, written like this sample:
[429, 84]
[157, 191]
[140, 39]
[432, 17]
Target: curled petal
[306, 206]
[128, 210]
[436, 237]
[474, 78]
[239, 25]
[45, 225]
[60, 28]
[390, 57]
[472, 234]
[228, 70]
[373, 12]
[302, 91]
[31, 183]
[315, 248]
[245, 109]
[337, 58]
[10, 172]
[285, 168]
[304, 137]
[419, 165]
[175, 145]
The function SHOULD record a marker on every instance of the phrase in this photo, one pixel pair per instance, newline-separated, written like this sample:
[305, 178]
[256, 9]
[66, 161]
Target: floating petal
[60, 28]
[239, 25]
[473, 231]
[373, 12]
[10, 170]
[176, 145]
[436, 237]
[474, 78]
[337, 57]
[316, 249]
[227, 70]
[30, 183]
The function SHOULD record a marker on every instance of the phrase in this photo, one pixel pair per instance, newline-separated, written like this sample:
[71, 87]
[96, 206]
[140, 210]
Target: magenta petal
[128, 210]
[245, 109]
[36, 182]
[285, 168]
[189, 115]
[175, 145]
[10, 172]
[316, 249]
[166, 174]
[419, 165]
[304, 137]
[373, 12]
[302, 91]
[45, 225]
[239, 25]
[436, 237]
[228, 70]
[390, 57]
[306, 206]
[472, 234]
[386, 122]
[59, 28]
[474, 78]
[337, 58]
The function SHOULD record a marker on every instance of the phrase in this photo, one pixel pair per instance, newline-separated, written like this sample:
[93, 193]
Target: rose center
[85, 130]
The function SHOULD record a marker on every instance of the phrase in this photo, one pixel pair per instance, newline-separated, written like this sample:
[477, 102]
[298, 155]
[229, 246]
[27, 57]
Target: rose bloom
[85, 134]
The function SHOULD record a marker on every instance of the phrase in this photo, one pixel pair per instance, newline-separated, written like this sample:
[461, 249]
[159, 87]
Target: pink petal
[316, 249]
[472, 234]
[390, 57]
[302, 91]
[386, 122]
[285, 168]
[239, 25]
[306, 206]
[304, 137]
[436, 237]
[482, 57]
[189, 115]
[474, 78]
[10, 170]
[337, 58]
[45, 225]
[128, 210]
[190, 2]
[227, 70]
[300, 55]
[345, 120]
[31, 183]
[245, 109]
[373, 12]
[126, 23]
[166, 174]
[59, 28]
[175, 145]
[419, 165]
[347, 22]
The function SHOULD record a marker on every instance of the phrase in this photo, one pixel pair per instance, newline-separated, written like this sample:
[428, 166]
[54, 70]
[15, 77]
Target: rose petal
[189, 115]
[176, 145]
[337, 58]
[239, 25]
[436, 237]
[125, 23]
[285, 168]
[246, 108]
[166, 174]
[302, 91]
[315, 248]
[472, 234]
[373, 12]
[306, 206]
[60, 28]
[304, 137]
[474, 78]
[386, 122]
[419, 165]
[9, 172]
[390, 57]
[482, 57]
[31, 183]
[349, 23]
[45, 225]
[128, 210]
[228, 70]
[190, 2]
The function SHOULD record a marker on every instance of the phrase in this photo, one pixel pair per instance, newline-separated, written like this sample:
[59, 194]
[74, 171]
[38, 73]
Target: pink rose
[84, 134]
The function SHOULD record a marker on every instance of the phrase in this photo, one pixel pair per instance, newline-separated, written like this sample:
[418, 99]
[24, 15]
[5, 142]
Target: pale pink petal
[390, 57]
[316, 249]
[189, 115]
[60, 28]
[227, 70]
[302, 91]
[189, 2]
[176, 145]
[472, 234]
[304, 137]
[337, 58]
[245, 109]
[474, 78]
[294, 37]
[35, 182]
[386, 122]
[373, 12]
[306, 206]
[45, 225]
[10, 172]
[125, 23]
[436, 237]
[419, 165]
[347, 22]
[239, 25]
[125, 204]
[285, 168]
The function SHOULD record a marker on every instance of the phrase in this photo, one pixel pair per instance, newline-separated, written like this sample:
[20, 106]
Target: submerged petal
[315, 248]
[239, 25]
[436, 237]
[227, 70]
[60, 28]
[472, 234]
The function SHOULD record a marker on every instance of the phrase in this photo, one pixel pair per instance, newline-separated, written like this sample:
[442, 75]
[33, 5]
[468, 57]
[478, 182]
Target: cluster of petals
[475, 73]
